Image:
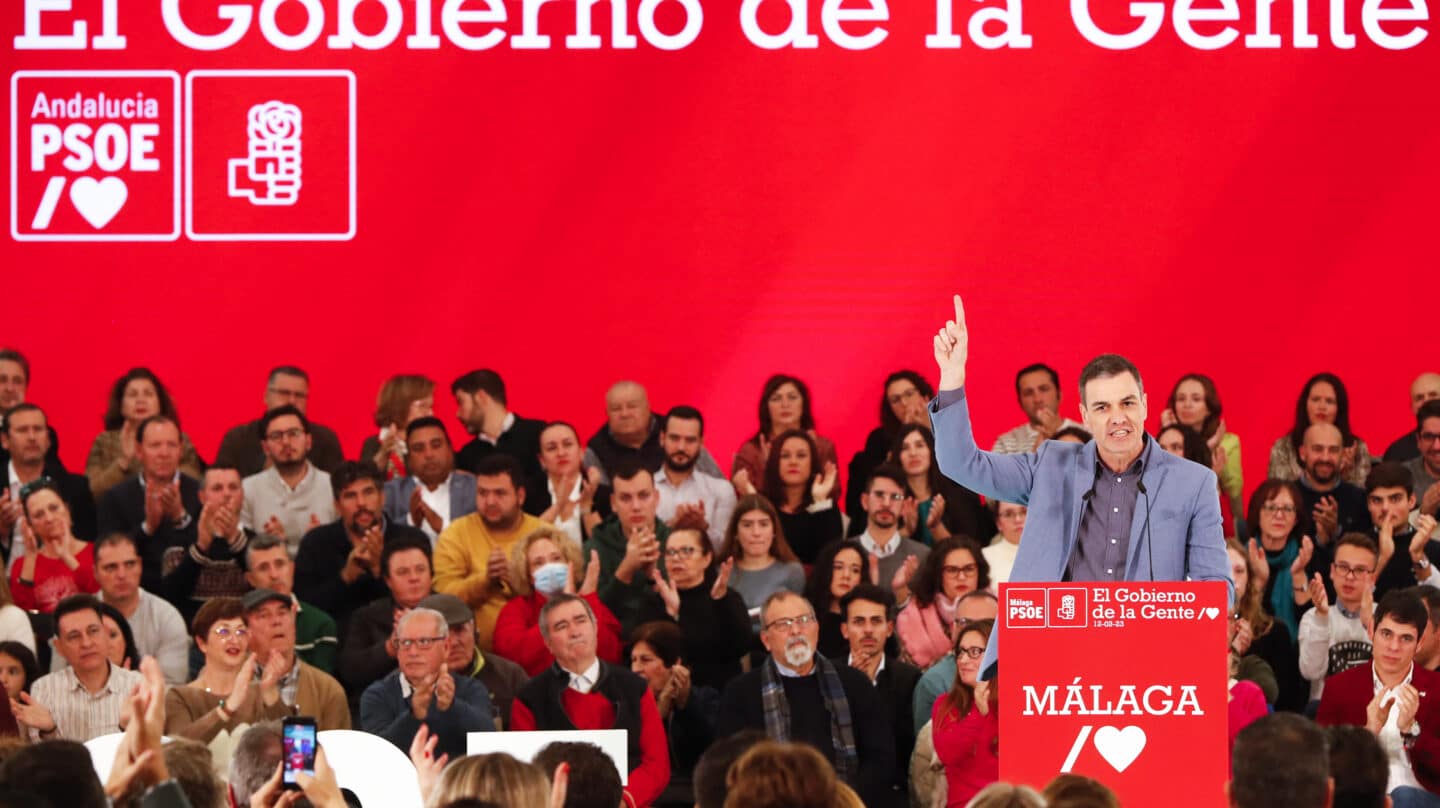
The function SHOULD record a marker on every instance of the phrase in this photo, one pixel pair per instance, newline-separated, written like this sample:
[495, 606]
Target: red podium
[1125, 683]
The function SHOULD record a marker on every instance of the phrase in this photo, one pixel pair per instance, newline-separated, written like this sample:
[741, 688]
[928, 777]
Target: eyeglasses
[974, 651]
[884, 497]
[35, 485]
[1283, 510]
[1351, 572]
[287, 434]
[967, 571]
[901, 398]
[294, 394]
[423, 643]
[1429, 437]
[680, 552]
[227, 633]
[787, 623]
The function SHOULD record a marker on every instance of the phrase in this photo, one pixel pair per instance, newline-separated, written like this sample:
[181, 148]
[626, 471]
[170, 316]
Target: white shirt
[79, 714]
[571, 526]
[267, 494]
[437, 501]
[584, 682]
[1329, 645]
[1001, 558]
[160, 632]
[1393, 741]
[15, 540]
[875, 549]
[850, 660]
[716, 494]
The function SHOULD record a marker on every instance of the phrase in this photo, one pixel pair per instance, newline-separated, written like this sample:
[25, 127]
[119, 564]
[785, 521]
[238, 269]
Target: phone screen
[299, 750]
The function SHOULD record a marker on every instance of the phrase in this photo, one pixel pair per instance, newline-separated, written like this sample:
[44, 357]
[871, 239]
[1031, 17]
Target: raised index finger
[959, 312]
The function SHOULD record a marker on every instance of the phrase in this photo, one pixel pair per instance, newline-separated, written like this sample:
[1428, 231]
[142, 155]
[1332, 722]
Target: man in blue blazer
[434, 494]
[1118, 508]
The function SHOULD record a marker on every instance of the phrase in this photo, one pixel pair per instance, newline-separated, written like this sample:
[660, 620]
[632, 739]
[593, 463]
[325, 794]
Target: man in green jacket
[629, 543]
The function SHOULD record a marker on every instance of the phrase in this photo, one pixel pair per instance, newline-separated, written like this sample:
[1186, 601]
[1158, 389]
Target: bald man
[633, 430]
[1337, 507]
[1426, 387]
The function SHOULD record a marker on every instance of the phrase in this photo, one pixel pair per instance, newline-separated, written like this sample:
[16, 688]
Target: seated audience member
[159, 505]
[370, 650]
[18, 668]
[423, 692]
[135, 397]
[338, 566]
[595, 778]
[14, 622]
[1322, 400]
[86, 698]
[14, 384]
[1001, 551]
[696, 595]
[291, 495]
[1392, 699]
[784, 407]
[1292, 558]
[1037, 388]
[1426, 468]
[54, 774]
[714, 766]
[782, 775]
[158, 627]
[1335, 640]
[402, 399]
[966, 733]
[763, 561]
[953, 569]
[56, 565]
[270, 619]
[935, 508]
[26, 439]
[840, 567]
[869, 613]
[803, 495]
[1078, 791]
[225, 695]
[543, 564]
[253, 762]
[1246, 699]
[1254, 634]
[482, 407]
[628, 543]
[567, 498]
[688, 710]
[890, 551]
[940, 678]
[501, 677]
[122, 650]
[1427, 653]
[495, 779]
[1195, 402]
[689, 497]
[472, 555]
[583, 692]
[435, 494]
[1335, 506]
[1074, 434]
[830, 706]
[317, 639]
[242, 449]
[902, 402]
[1405, 555]
[1426, 387]
[1005, 795]
[632, 432]
[1359, 766]
[191, 766]
[210, 566]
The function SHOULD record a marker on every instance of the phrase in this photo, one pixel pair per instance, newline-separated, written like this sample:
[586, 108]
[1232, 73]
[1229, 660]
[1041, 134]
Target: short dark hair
[887, 471]
[23, 406]
[590, 766]
[280, 412]
[1280, 761]
[498, 463]
[352, 471]
[213, 611]
[287, 370]
[12, 355]
[1431, 597]
[1028, 369]
[154, 419]
[423, 422]
[77, 603]
[1430, 409]
[1074, 431]
[664, 638]
[869, 593]
[713, 766]
[1359, 766]
[1105, 366]
[1389, 475]
[477, 381]
[1404, 607]
[685, 413]
[114, 539]
[59, 771]
[400, 545]
[1359, 540]
[628, 468]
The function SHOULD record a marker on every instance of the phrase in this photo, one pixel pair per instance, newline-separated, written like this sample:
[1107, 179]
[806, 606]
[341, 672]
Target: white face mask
[551, 578]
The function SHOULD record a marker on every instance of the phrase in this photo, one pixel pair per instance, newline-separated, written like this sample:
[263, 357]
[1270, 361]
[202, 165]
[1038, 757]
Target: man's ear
[520, 495]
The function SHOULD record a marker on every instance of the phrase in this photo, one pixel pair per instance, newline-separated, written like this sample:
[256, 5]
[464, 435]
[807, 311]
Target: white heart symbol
[1120, 747]
[1212, 612]
[99, 200]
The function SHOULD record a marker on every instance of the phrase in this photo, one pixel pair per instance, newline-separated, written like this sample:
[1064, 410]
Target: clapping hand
[722, 580]
[1318, 596]
[824, 484]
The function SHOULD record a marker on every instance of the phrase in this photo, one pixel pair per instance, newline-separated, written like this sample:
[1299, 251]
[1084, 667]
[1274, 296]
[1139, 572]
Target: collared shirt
[789, 672]
[504, 427]
[1022, 438]
[1392, 740]
[873, 548]
[715, 493]
[289, 683]
[850, 660]
[583, 682]
[268, 495]
[571, 526]
[79, 714]
[437, 501]
[1103, 545]
[14, 539]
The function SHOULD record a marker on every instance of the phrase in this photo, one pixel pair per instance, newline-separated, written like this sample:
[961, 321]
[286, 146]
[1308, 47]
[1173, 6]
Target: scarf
[946, 608]
[777, 712]
[1282, 600]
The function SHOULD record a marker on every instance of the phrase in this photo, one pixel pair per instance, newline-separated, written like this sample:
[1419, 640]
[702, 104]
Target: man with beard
[481, 406]
[1037, 388]
[689, 497]
[1335, 506]
[632, 432]
[291, 496]
[798, 695]
[338, 566]
[471, 556]
[434, 494]
[891, 553]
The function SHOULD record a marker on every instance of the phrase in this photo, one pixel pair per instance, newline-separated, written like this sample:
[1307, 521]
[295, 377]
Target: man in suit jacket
[1087, 519]
[159, 505]
[434, 494]
[869, 613]
[1395, 699]
[25, 437]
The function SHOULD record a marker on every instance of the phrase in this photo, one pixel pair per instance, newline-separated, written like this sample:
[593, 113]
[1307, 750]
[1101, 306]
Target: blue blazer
[1186, 538]
[398, 491]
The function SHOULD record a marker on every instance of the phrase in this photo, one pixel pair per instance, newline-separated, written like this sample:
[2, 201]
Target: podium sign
[1125, 683]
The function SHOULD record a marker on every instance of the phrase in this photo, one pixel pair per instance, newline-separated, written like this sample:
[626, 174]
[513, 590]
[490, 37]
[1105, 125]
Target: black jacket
[322, 556]
[522, 442]
[74, 490]
[895, 685]
[122, 510]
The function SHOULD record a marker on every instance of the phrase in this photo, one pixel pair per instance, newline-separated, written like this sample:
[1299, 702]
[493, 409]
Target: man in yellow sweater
[471, 555]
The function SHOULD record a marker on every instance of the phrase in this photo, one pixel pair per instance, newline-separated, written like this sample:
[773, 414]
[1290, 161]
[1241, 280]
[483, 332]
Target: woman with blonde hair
[402, 399]
[774, 774]
[497, 778]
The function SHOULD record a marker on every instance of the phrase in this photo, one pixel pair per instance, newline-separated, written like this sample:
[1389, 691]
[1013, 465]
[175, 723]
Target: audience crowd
[774, 636]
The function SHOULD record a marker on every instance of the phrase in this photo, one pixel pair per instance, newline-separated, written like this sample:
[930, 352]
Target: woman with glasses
[764, 562]
[1322, 400]
[134, 397]
[225, 695]
[1259, 642]
[803, 495]
[784, 407]
[966, 734]
[935, 508]
[56, 564]
[956, 566]
[1000, 553]
[1292, 558]
[697, 596]
[903, 400]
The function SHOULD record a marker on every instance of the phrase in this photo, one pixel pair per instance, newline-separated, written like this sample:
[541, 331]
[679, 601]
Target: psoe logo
[1025, 608]
[1068, 607]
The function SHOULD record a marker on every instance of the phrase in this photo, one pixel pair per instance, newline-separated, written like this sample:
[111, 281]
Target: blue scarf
[1282, 599]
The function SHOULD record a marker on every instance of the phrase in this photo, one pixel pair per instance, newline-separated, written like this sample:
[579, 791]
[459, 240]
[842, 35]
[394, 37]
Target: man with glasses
[423, 692]
[85, 699]
[798, 695]
[1426, 468]
[891, 552]
[1334, 505]
[869, 614]
[1336, 637]
[1425, 388]
[241, 447]
[291, 496]
[1037, 387]
[500, 676]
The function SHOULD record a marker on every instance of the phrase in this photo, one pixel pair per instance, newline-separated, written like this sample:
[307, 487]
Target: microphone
[1145, 531]
[1094, 481]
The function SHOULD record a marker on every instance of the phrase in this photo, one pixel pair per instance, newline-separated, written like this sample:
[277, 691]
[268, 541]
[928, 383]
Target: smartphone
[298, 747]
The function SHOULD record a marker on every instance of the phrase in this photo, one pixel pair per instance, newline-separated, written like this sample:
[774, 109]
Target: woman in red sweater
[56, 564]
[543, 563]
[966, 734]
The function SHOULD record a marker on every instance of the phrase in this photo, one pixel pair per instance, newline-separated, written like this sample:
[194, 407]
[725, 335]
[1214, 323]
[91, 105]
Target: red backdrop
[700, 218]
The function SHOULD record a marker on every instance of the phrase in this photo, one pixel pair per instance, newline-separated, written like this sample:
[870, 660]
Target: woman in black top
[713, 619]
[802, 491]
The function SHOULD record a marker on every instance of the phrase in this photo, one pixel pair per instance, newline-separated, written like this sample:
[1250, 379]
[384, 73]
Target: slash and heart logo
[1120, 747]
[99, 200]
